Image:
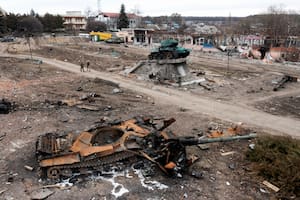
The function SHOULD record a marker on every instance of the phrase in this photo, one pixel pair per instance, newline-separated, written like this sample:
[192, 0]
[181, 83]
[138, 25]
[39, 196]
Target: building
[111, 20]
[2, 12]
[137, 36]
[74, 20]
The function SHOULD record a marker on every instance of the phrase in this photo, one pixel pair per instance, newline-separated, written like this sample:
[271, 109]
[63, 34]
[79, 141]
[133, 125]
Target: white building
[74, 20]
[2, 12]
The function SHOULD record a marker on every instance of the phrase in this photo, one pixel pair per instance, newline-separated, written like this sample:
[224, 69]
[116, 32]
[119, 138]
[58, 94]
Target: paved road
[195, 104]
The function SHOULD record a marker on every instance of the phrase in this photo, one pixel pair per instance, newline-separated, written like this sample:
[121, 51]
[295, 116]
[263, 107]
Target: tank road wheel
[160, 56]
[175, 55]
[66, 172]
[169, 55]
[53, 173]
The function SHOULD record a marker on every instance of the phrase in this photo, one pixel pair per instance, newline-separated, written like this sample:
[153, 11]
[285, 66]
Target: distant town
[278, 29]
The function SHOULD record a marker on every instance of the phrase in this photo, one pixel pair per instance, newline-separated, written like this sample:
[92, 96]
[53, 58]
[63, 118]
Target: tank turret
[169, 50]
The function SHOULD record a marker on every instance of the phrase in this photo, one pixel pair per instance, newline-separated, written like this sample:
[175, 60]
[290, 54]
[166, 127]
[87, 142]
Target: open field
[245, 95]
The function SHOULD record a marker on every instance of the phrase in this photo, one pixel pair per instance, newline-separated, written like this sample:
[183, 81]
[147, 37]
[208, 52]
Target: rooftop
[116, 15]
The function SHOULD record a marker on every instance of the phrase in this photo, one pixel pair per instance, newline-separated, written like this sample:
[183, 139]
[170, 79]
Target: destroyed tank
[61, 156]
[169, 50]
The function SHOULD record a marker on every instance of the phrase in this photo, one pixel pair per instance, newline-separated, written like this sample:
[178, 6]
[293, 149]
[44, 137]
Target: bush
[277, 159]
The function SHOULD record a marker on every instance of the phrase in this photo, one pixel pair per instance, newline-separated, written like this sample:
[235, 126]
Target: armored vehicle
[168, 50]
[63, 155]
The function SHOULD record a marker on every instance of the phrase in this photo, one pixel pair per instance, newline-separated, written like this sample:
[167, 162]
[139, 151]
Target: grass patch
[277, 159]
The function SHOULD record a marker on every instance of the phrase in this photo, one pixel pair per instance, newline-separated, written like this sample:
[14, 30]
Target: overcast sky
[151, 7]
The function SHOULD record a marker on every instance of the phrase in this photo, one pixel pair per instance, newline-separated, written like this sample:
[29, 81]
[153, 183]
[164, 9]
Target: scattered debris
[2, 136]
[205, 86]
[116, 91]
[5, 106]
[263, 191]
[231, 166]
[71, 102]
[197, 174]
[203, 146]
[65, 184]
[10, 179]
[283, 80]
[228, 153]
[252, 146]
[235, 129]
[2, 191]
[88, 107]
[271, 186]
[89, 97]
[41, 194]
[29, 168]
[199, 81]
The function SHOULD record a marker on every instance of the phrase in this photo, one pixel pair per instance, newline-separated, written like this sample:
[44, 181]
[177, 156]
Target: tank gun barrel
[196, 141]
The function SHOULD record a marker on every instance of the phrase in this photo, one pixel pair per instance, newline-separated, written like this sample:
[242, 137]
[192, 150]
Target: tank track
[92, 163]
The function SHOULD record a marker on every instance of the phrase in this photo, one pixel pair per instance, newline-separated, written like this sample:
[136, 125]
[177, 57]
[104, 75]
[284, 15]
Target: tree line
[32, 23]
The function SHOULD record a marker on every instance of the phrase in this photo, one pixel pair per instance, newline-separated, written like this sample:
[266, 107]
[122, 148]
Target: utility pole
[228, 55]
[99, 6]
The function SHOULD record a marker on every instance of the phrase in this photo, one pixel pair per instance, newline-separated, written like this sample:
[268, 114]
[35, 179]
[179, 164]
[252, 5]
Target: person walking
[88, 66]
[81, 67]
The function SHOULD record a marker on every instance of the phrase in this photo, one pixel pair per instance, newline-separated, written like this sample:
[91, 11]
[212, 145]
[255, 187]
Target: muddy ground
[37, 91]
[246, 83]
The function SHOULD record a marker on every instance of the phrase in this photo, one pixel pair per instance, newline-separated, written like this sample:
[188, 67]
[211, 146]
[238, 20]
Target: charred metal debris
[101, 147]
[285, 79]
[5, 106]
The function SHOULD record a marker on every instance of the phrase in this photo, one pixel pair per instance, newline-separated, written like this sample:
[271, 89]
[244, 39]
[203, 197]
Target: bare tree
[93, 25]
[177, 18]
[30, 26]
[276, 22]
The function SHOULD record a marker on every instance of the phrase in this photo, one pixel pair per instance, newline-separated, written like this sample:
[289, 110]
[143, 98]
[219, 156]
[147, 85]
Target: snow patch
[150, 185]
[118, 189]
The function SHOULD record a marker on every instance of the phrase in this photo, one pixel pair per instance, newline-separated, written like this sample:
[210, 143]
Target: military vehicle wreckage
[62, 155]
[169, 50]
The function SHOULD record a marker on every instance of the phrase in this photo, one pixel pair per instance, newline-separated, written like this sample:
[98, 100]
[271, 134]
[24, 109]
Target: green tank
[169, 50]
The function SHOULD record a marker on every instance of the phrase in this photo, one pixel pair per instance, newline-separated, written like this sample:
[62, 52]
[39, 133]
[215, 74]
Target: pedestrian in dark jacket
[88, 66]
[81, 67]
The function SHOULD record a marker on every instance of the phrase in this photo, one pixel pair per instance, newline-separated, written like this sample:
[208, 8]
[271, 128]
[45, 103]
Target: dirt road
[193, 103]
